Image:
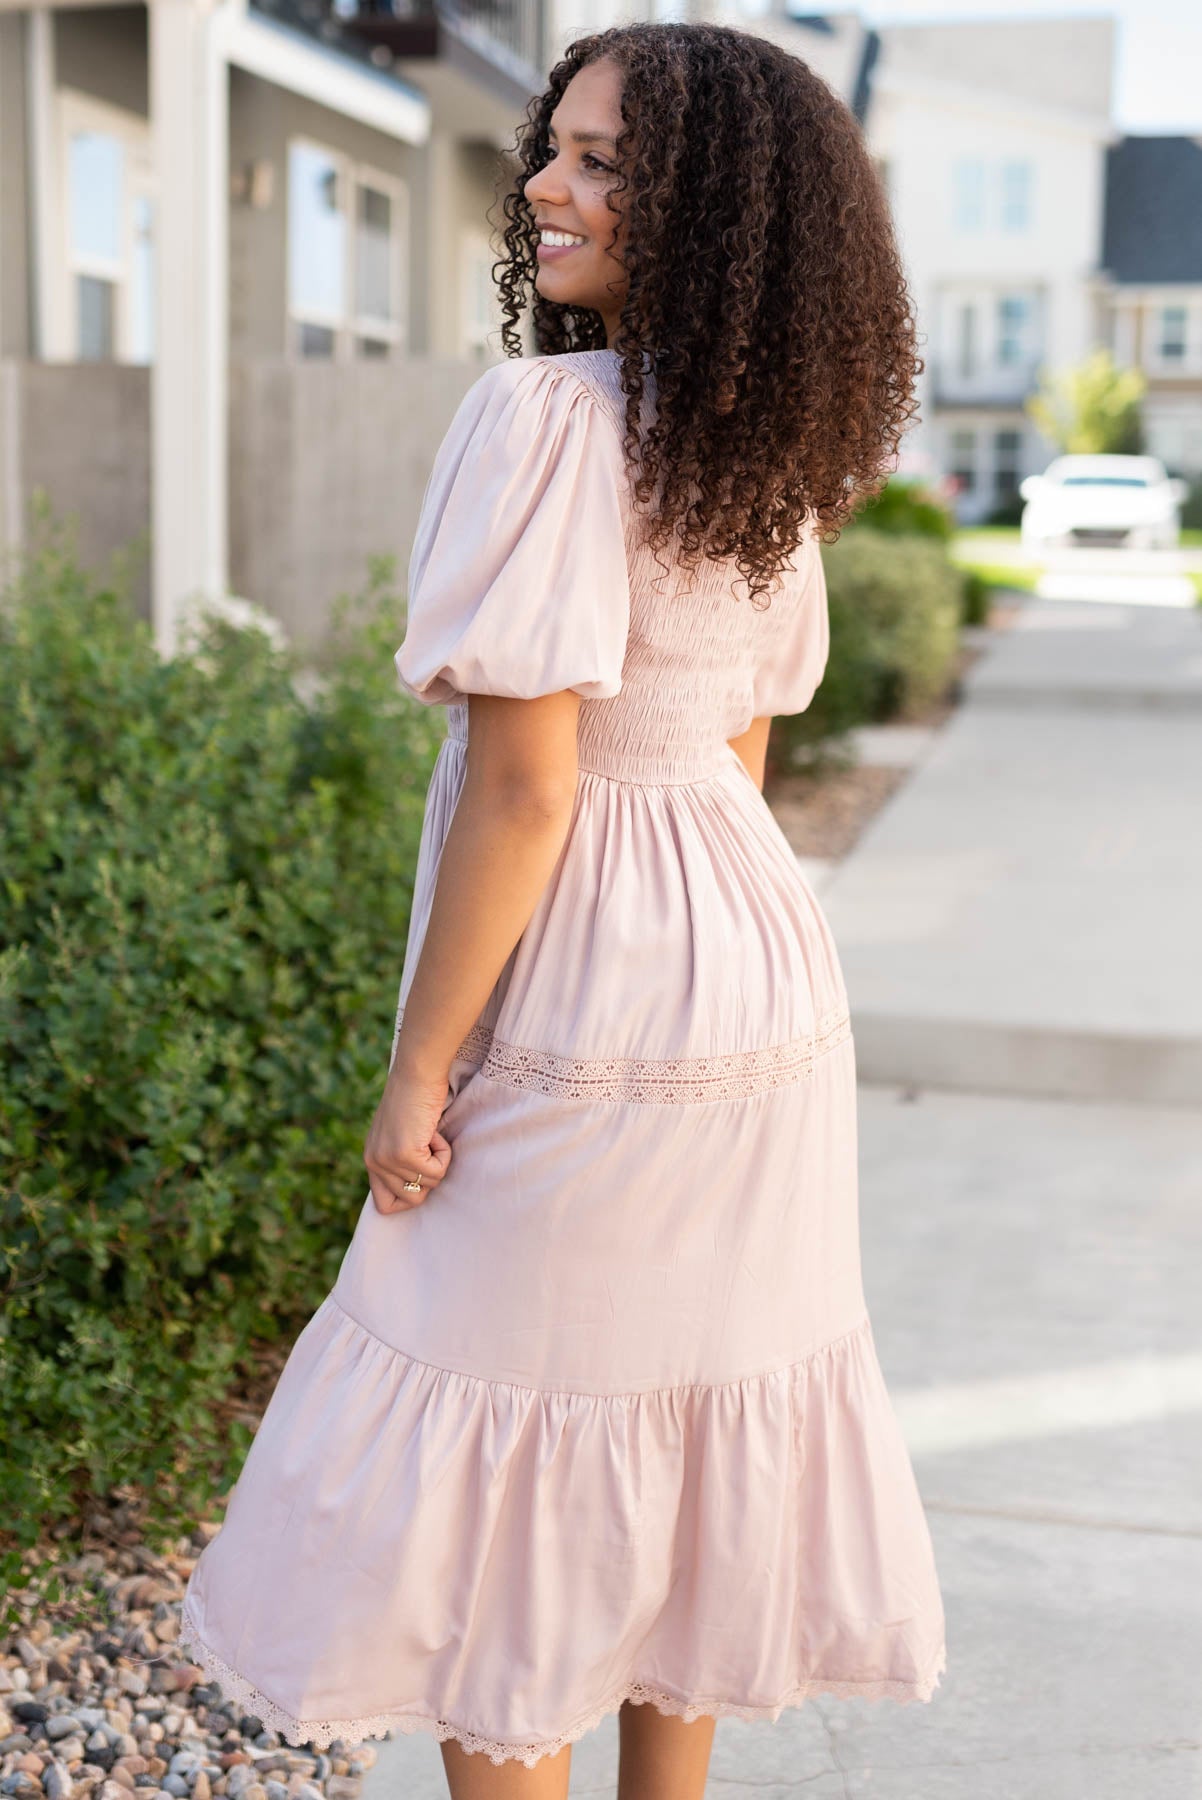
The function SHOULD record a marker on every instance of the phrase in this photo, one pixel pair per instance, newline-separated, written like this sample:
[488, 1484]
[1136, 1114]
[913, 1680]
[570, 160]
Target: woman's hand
[404, 1141]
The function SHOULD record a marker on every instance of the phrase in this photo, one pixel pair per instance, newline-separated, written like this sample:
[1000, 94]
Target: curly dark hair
[764, 284]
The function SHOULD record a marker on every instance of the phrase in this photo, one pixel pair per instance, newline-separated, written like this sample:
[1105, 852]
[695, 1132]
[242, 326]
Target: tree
[1092, 409]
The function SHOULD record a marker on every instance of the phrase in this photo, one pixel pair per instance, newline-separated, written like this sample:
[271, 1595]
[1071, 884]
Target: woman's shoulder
[519, 381]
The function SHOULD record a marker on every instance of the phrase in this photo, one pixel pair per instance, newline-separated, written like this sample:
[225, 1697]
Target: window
[316, 247]
[1007, 461]
[992, 195]
[109, 207]
[968, 178]
[1016, 181]
[1172, 333]
[1102, 481]
[963, 446]
[347, 228]
[1013, 329]
[96, 181]
[141, 284]
[375, 275]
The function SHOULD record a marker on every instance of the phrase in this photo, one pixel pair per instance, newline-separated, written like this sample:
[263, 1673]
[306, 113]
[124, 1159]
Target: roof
[1152, 221]
[862, 92]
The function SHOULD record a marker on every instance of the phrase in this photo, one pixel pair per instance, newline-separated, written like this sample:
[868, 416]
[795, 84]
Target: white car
[1102, 501]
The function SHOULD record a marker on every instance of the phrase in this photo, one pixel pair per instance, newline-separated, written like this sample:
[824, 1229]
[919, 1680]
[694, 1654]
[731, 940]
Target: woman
[592, 1421]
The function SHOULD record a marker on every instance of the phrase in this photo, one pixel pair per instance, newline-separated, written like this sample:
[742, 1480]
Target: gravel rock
[56, 1780]
[97, 1704]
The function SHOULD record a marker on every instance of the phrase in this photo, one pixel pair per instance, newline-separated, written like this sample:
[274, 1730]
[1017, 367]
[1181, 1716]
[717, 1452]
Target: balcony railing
[986, 384]
[510, 31]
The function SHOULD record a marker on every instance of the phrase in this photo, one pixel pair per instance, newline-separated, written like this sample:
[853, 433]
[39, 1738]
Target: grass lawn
[979, 537]
[1004, 575]
[990, 549]
[991, 552]
[1010, 534]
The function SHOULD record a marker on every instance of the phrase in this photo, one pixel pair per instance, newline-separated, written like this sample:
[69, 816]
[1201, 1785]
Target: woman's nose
[544, 181]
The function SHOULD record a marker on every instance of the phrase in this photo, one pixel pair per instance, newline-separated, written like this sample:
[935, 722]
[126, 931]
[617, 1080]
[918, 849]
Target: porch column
[49, 336]
[440, 266]
[189, 107]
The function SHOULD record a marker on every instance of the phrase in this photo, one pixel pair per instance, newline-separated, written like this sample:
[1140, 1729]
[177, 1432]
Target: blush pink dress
[602, 1419]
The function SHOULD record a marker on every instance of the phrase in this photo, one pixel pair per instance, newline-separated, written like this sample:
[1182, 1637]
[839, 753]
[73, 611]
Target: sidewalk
[1023, 916]
[1030, 1267]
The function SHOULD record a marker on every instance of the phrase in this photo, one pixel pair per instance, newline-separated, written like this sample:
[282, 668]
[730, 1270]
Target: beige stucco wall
[103, 51]
[443, 172]
[262, 119]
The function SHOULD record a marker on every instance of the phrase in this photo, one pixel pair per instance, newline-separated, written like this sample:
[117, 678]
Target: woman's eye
[550, 153]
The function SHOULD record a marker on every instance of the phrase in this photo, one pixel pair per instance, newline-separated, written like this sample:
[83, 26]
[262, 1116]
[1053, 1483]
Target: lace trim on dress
[672, 1081]
[319, 1734]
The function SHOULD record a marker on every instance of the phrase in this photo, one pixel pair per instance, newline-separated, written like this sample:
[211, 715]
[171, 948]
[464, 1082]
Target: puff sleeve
[793, 661]
[518, 581]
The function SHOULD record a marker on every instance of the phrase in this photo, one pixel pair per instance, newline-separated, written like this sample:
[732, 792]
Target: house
[1149, 286]
[993, 137]
[1032, 230]
[245, 276]
[246, 252]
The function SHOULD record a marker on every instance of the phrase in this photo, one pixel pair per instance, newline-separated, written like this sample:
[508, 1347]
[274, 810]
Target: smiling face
[568, 195]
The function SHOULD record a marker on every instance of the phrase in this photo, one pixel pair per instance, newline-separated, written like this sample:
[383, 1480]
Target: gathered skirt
[602, 1419]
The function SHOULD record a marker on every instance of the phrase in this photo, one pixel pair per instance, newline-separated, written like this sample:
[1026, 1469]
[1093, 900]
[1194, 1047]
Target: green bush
[1191, 506]
[1008, 513]
[205, 894]
[895, 610]
[974, 597]
[907, 506]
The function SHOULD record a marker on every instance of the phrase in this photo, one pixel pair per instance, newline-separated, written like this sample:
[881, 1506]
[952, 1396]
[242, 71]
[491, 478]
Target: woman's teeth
[560, 237]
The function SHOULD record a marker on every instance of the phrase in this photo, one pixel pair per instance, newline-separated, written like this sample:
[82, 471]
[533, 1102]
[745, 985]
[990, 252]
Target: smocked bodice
[531, 573]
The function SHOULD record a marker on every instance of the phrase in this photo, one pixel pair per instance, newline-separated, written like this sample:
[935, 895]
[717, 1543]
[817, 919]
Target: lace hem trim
[674, 1081]
[319, 1734]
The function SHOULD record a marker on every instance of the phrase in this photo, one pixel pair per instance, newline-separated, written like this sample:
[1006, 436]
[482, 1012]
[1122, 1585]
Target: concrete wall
[81, 432]
[328, 465]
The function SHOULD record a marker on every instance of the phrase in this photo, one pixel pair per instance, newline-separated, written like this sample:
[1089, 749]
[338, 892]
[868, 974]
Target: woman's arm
[752, 749]
[505, 836]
